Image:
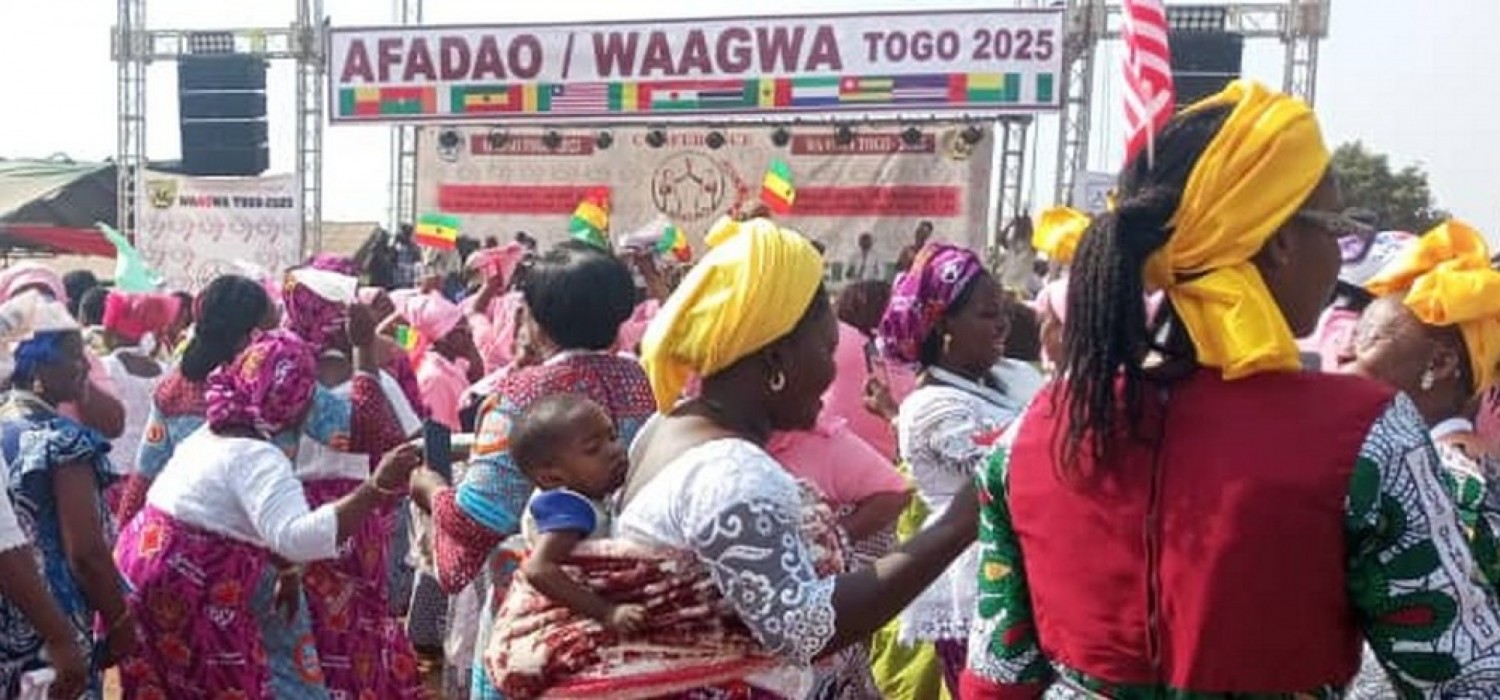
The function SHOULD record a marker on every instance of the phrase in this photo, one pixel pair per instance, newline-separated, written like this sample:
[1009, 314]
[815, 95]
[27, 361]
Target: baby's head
[568, 441]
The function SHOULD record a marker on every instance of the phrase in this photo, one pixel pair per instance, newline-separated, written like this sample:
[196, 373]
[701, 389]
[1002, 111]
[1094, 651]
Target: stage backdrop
[194, 228]
[499, 182]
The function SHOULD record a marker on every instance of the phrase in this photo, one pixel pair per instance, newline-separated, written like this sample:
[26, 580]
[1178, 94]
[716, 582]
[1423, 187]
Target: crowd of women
[735, 484]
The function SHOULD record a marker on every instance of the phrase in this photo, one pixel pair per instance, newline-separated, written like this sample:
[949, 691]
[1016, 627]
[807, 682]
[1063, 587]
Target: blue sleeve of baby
[560, 510]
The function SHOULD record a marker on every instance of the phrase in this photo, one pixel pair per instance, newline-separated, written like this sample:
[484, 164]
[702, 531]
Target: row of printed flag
[590, 221]
[940, 89]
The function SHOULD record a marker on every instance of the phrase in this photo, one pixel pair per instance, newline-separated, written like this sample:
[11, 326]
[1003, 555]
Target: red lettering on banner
[512, 199]
[419, 62]
[934, 201]
[455, 57]
[780, 49]
[530, 145]
[863, 144]
[357, 63]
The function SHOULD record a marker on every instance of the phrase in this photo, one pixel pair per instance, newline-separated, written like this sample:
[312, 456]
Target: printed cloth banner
[881, 182]
[193, 229]
[918, 63]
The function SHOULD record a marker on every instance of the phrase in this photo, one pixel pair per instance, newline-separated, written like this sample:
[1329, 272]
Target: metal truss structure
[404, 141]
[1299, 24]
[135, 48]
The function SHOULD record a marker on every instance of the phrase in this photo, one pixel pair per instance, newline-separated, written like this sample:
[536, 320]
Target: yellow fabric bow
[1255, 174]
[1447, 278]
[751, 288]
[1058, 231]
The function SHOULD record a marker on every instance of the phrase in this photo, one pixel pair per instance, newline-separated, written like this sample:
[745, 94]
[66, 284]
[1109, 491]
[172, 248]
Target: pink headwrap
[430, 315]
[29, 274]
[921, 296]
[267, 388]
[133, 315]
[314, 317]
[333, 262]
[501, 261]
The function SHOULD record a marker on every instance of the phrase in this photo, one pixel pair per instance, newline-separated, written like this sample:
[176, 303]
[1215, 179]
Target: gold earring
[777, 382]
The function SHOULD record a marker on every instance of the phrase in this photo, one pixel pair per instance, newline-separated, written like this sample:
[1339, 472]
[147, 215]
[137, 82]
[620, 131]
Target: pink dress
[495, 330]
[845, 468]
[634, 328]
[442, 382]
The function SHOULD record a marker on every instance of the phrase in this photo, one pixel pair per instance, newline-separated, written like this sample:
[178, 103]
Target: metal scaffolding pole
[131, 56]
[404, 142]
[1084, 21]
[310, 95]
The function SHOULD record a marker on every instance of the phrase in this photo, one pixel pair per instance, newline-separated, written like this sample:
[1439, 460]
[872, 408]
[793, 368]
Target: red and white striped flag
[1149, 93]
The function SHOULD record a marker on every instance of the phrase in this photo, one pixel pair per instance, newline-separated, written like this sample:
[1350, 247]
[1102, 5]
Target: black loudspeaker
[1204, 62]
[222, 115]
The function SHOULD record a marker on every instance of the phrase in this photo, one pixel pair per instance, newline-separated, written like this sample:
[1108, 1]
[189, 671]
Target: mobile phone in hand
[437, 448]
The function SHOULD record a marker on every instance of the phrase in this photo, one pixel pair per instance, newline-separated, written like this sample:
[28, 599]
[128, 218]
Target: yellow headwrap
[1058, 231]
[1262, 165]
[750, 289]
[1447, 278]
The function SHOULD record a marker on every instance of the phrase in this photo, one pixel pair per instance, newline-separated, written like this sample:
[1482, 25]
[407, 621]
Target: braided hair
[228, 311]
[1108, 339]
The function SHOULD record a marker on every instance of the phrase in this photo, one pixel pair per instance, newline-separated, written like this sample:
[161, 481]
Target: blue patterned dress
[36, 441]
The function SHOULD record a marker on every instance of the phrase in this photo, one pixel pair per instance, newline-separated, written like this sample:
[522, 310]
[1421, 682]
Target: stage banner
[881, 181]
[960, 62]
[193, 229]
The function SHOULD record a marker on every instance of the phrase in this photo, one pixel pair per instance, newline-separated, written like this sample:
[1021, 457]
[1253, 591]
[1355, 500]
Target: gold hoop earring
[777, 382]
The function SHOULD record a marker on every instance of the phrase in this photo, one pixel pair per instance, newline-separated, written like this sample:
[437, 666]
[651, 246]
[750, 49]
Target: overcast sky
[1413, 78]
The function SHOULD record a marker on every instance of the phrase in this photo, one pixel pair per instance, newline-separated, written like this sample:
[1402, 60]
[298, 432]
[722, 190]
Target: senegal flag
[777, 191]
[590, 222]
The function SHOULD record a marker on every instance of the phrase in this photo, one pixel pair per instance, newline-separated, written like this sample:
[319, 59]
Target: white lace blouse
[731, 504]
[940, 432]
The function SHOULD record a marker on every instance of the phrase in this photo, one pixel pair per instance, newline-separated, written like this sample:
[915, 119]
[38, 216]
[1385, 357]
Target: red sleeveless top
[1216, 563]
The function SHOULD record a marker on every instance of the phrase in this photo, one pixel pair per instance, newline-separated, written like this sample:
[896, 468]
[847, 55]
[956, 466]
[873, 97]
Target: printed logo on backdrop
[690, 187]
[163, 193]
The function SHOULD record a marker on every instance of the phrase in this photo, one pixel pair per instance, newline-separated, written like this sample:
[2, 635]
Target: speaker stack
[222, 114]
[1205, 57]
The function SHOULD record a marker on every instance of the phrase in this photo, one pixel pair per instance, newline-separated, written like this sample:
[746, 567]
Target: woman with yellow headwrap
[1434, 333]
[1185, 513]
[707, 513]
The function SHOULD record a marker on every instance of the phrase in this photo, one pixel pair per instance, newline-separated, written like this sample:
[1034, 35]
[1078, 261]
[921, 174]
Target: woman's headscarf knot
[752, 288]
[1265, 161]
[267, 388]
[1448, 281]
[922, 296]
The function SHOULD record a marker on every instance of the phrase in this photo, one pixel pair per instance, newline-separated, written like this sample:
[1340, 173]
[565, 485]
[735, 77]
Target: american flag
[580, 97]
[1149, 94]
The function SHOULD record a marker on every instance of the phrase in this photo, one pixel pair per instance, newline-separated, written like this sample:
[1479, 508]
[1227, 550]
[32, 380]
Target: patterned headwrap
[317, 303]
[267, 388]
[1448, 281]
[333, 262]
[1058, 231]
[1255, 174]
[921, 296]
[752, 287]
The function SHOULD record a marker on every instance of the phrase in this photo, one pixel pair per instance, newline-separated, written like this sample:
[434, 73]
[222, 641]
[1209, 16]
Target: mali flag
[674, 242]
[590, 222]
[437, 231]
[776, 190]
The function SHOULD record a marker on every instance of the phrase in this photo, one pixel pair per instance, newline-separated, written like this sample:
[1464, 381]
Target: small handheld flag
[437, 231]
[406, 337]
[674, 242]
[132, 274]
[777, 191]
[590, 222]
